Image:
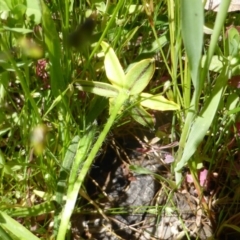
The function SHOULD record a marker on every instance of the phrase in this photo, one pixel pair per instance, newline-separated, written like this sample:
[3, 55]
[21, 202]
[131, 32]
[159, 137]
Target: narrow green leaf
[4, 235]
[157, 102]
[65, 169]
[219, 23]
[36, 210]
[15, 228]
[96, 106]
[162, 40]
[99, 88]
[142, 116]
[232, 226]
[114, 71]
[83, 148]
[18, 30]
[203, 121]
[192, 32]
[139, 75]
[74, 186]
[63, 179]
[129, 35]
[56, 101]
[140, 170]
[52, 41]
[143, 170]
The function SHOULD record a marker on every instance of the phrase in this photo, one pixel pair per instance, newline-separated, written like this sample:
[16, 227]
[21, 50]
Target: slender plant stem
[22, 82]
[72, 196]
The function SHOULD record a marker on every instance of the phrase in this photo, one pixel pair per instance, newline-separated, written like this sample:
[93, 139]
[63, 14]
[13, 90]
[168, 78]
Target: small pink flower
[42, 72]
[169, 158]
[189, 178]
[203, 177]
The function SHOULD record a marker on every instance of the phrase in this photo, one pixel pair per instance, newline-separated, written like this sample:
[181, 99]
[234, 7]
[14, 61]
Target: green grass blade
[15, 228]
[192, 33]
[106, 29]
[52, 42]
[63, 178]
[219, 23]
[4, 235]
[203, 120]
[83, 148]
[185, 141]
[35, 210]
[97, 105]
[22, 80]
[234, 227]
[75, 186]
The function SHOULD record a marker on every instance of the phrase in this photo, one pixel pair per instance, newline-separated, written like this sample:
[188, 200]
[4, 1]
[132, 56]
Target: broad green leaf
[157, 102]
[99, 88]
[18, 12]
[15, 228]
[192, 33]
[233, 41]
[216, 64]
[139, 75]
[203, 120]
[34, 10]
[142, 116]
[113, 68]
[6, 5]
[133, 8]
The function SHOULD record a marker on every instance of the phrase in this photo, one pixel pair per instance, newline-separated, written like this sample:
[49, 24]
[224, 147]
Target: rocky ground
[139, 205]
